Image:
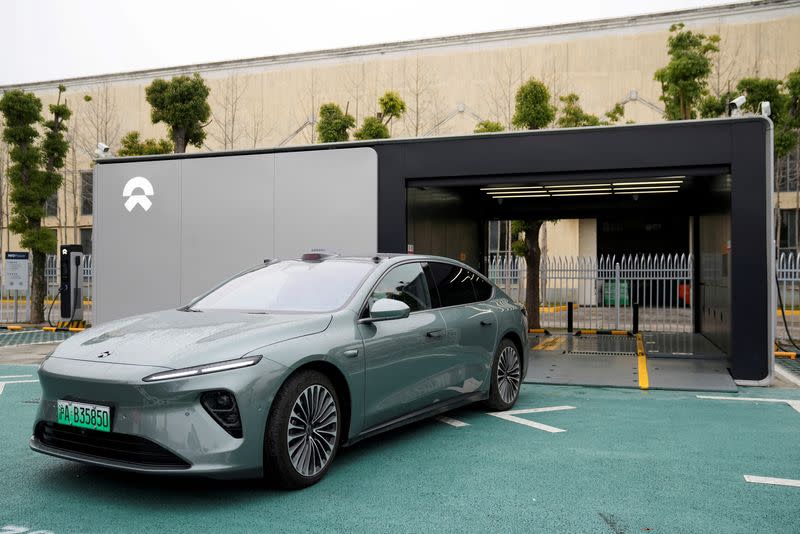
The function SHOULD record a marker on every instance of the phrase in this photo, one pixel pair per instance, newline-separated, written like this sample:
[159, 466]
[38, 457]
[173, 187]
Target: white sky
[54, 39]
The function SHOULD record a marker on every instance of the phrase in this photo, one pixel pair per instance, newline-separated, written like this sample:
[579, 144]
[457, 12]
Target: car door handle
[435, 333]
[486, 323]
[352, 353]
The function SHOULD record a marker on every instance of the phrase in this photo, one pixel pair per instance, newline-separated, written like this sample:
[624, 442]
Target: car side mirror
[388, 309]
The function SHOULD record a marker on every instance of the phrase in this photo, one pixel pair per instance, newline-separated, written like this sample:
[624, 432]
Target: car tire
[506, 377]
[301, 459]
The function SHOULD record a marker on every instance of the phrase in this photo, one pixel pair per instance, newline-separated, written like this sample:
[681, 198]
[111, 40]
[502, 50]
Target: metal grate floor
[32, 337]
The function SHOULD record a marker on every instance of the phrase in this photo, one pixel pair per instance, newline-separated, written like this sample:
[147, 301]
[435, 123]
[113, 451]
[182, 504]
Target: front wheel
[506, 377]
[302, 435]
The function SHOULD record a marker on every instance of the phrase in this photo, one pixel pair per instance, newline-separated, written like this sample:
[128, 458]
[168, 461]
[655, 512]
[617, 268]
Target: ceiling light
[627, 187]
[559, 191]
[540, 195]
[561, 186]
[659, 182]
[511, 187]
[516, 192]
[560, 194]
[644, 192]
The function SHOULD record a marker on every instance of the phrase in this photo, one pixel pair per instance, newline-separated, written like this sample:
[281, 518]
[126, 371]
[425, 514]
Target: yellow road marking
[644, 380]
[552, 343]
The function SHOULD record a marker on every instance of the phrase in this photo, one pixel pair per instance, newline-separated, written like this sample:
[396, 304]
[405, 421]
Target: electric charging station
[71, 259]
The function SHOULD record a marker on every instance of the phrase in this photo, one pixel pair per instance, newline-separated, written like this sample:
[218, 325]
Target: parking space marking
[795, 404]
[511, 415]
[774, 481]
[3, 384]
[450, 421]
[16, 376]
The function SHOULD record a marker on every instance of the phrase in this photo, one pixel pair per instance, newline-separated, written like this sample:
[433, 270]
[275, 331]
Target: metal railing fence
[787, 269]
[603, 290]
[14, 306]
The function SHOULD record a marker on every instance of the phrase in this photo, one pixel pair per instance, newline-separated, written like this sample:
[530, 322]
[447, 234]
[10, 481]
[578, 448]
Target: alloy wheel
[508, 374]
[312, 432]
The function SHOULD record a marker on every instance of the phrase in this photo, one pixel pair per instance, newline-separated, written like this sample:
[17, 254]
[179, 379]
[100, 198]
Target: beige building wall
[448, 83]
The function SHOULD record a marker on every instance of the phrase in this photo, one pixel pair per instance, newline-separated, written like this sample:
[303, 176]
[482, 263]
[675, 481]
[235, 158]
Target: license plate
[84, 415]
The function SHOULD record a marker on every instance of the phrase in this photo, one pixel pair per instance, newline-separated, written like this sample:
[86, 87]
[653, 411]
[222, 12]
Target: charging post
[71, 259]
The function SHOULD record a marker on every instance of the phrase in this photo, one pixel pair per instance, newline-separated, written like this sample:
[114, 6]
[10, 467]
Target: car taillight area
[221, 405]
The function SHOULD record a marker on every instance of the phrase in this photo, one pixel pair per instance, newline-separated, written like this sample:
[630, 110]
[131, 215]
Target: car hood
[175, 339]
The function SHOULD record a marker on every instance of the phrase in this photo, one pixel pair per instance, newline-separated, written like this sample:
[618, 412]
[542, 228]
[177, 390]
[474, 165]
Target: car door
[471, 324]
[404, 358]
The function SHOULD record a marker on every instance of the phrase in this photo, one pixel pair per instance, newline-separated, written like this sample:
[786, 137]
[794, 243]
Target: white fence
[604, 291]
[14, 307]
[787, 268]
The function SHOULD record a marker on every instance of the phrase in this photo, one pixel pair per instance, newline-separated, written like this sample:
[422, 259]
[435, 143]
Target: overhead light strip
[659, 182]
[545, 195]
[627, 187]
[559, 194]
[645, 192]
[515, 192]
[511, 187]
[587, 186]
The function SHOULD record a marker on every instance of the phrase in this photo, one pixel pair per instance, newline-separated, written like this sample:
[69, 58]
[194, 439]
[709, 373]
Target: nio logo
[143, 200]
[104, 354]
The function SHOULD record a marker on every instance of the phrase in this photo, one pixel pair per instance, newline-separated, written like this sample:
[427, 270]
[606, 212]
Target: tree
[533, 109]
[423, 98]
[372, 128]
[181, 104]
[488, 127]
[34, 176]
[227, 103]
[684, 80]
[132, 145]
[392, 106]
[333, 124]
[376, 127]
[100, 118]
[573, 116]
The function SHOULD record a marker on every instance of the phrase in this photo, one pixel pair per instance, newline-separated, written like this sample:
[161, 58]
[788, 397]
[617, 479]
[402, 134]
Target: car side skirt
[419, 415]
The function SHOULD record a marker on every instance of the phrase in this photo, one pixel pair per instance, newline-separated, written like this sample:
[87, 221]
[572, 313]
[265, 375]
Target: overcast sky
[55, 39]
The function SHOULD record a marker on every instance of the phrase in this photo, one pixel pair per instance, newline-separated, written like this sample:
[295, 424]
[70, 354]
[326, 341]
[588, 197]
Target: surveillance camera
[735, 105]
[766, 109]
[102, 147]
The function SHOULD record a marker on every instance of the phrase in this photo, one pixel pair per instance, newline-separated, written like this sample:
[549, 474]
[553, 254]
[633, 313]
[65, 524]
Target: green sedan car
[275, 369]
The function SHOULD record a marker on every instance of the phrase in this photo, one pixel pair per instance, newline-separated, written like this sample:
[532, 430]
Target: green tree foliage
[713, 106]
[786, 119]
[572, 114]
[392, 107]
[181, 104]
[34, 177]
[533, 109]
[372, 128]
[333, 124]
[488, 127]
[684, 80]
[132, 145]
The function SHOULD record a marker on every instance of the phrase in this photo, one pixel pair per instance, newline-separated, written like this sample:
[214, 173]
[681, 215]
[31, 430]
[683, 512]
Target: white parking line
[450, 421]
[774, 481]
[16, 376]
[511, 415]
[3, 384]
[791, 402]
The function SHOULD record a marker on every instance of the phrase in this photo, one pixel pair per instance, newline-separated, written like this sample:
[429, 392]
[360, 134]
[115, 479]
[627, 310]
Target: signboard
[15, 271]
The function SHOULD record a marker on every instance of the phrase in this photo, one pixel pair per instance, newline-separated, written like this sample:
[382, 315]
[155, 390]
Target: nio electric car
[272, 371]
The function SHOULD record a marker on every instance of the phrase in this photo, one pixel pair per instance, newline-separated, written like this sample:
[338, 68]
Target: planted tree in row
[34, 176]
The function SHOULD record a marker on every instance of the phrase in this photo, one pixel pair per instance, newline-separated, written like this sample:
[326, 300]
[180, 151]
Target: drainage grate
[598, 353]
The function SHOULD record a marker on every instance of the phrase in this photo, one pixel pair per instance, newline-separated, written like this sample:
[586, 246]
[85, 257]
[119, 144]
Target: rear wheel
[302, 435]
[506, 377]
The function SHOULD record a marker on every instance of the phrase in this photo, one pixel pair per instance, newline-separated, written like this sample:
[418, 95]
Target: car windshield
[296, 286]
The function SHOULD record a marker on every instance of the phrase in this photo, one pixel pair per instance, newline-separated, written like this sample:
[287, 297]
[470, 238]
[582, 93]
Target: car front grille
[124, 448]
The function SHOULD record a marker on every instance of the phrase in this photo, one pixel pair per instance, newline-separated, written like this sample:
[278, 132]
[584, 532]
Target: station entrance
[674, 290]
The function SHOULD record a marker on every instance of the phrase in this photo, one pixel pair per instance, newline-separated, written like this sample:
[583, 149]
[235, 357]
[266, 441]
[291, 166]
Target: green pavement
[630, 461]
[31, 337]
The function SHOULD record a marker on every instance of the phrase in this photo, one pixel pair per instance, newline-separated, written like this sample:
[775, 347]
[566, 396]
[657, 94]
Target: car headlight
[226, 365]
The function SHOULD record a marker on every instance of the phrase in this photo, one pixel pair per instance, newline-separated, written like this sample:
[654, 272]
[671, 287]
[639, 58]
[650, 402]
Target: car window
[405, 283]
[289, 286]
[483, 289]
[454, 283]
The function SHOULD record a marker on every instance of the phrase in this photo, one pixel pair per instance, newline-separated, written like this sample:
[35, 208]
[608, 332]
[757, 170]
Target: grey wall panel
[136, 256]
[326, 199]
[227, 218]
